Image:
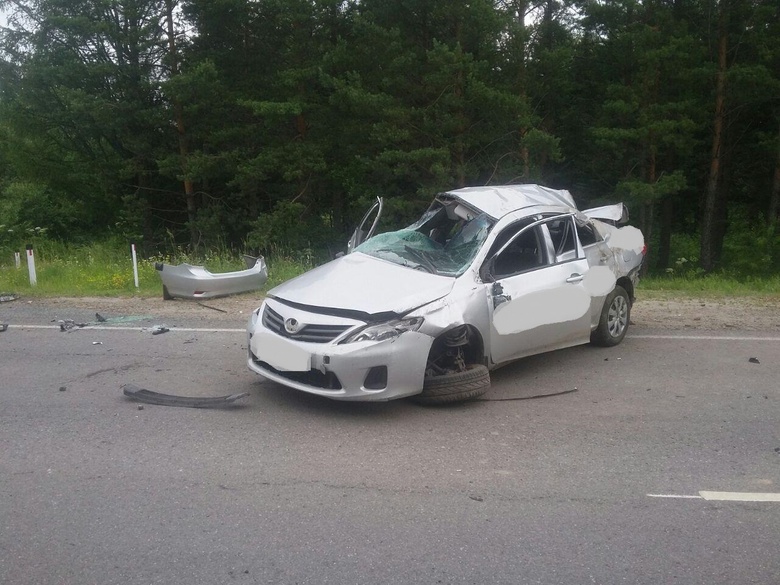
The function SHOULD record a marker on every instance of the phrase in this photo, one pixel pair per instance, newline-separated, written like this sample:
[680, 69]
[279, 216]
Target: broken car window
[524, 253]
[562, 234]
[436, 243]
[587, 234]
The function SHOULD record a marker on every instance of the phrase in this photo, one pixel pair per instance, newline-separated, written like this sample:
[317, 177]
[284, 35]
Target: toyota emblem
[292, 325]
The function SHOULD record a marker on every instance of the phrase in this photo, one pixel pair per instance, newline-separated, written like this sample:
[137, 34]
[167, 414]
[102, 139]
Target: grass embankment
[103, 270]
[100, 270]
[709, 286]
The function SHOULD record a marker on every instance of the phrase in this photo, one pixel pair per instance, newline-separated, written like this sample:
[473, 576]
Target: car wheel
[614, 319]
[455, 387]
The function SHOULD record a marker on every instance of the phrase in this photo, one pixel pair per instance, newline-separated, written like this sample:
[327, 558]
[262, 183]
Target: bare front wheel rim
[618, 316]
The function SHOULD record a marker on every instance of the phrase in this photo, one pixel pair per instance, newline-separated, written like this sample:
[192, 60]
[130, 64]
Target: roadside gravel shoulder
[141, 311]
[740, 313]
[686, 313]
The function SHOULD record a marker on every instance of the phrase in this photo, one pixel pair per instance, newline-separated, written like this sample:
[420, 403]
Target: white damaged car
[486, 275]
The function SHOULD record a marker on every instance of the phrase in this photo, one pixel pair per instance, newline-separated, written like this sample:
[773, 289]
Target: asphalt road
[291, 488]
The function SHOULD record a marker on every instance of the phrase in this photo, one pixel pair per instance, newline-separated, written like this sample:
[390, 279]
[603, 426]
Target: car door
[537, 297]
[596, 250]
[367, 225]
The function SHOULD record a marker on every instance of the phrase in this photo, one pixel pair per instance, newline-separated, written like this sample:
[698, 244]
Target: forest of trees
[274, 123]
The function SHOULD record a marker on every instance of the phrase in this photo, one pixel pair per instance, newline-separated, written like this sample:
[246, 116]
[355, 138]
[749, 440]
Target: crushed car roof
[497, 201]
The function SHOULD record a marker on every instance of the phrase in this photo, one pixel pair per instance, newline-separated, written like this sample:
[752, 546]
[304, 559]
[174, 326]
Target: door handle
[575, 278]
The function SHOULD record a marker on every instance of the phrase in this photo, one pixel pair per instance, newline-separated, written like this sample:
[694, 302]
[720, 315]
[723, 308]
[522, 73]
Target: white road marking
[740, 496]
[232, 330]
[705, 337]
[673, 496]
[724, 496]
[122, 328]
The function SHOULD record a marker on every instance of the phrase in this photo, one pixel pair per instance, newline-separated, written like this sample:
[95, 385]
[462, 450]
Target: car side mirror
[497, 292]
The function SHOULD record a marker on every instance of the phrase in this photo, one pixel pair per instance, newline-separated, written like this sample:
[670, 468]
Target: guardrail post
[135, 263]
[31, 265]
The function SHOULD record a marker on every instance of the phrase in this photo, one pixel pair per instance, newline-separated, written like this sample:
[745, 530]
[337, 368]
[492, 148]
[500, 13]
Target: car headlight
[387, 330]
[253, 319]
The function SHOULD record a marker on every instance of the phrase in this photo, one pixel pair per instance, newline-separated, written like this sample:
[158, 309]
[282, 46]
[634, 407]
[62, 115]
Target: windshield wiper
[421, 259]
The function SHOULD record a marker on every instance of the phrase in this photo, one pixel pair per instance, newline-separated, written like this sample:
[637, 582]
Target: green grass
[711, 285]
[105, 269]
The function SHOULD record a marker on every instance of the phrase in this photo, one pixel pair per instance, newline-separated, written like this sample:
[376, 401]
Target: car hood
[361, 284]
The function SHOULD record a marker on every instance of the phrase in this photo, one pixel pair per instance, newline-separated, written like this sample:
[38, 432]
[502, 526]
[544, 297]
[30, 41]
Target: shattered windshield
[435, 244]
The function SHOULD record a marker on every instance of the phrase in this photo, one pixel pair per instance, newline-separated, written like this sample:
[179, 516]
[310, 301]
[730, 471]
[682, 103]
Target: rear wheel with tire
[613, 323]
[455, 387]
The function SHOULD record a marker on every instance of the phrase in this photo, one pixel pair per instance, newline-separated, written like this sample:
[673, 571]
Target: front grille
[313, 333]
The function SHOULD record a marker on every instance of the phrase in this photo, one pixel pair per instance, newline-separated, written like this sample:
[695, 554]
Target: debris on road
[125, 319]
[97, 343]
[754, 360]
[159, 329]
[70, 324]
[535, 396]
[213, 308]
[3, 327]
[6, 297]
[151, 397]
[63, 388]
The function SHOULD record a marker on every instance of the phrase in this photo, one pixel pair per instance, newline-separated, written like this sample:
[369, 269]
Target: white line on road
[740, 496]
[673, 496]
[725, 496]
[705, 337]
[233, 330]
[121, 328]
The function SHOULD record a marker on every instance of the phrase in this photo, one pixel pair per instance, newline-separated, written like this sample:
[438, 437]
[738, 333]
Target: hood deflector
[346, 313]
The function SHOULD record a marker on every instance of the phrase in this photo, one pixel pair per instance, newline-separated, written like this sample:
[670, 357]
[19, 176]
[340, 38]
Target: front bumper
[366, 370]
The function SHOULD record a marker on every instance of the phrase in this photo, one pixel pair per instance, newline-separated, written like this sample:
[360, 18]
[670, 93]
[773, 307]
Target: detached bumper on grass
[195, 282]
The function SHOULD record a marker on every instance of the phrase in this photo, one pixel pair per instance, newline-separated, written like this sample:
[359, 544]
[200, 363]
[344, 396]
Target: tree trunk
[665, 236]
[647, 211]
[459, 147]
[521, 7]
[774, 196]
[184, 151]
[714, 198]
[547, 19]
[147, 223]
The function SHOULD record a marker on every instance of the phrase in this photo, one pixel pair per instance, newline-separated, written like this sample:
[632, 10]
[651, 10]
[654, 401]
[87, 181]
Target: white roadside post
[135, 263]
[31, 265]
[18, 260]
